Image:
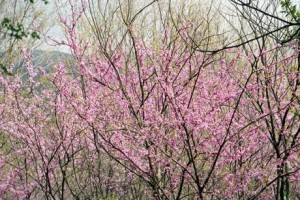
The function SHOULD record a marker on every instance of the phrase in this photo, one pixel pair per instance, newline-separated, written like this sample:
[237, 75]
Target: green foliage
[35, 35]
[17, 30]
[290, 10]
[3, 141]
[4, 70]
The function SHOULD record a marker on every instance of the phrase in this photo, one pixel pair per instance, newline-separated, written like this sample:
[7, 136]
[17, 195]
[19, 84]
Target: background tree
[19, 20]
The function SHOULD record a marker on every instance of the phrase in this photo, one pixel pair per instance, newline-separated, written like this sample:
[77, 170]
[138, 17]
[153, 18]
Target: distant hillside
[40, 58]
[46, 59]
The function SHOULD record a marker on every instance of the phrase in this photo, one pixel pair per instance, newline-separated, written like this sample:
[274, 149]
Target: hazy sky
[296, 2]
[56, 31]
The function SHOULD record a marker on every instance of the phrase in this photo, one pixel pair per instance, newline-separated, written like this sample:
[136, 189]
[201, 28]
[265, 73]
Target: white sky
[296, 2]
[56, 31]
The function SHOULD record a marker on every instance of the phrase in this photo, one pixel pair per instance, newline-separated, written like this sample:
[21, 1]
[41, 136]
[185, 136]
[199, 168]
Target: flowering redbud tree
[151, 121]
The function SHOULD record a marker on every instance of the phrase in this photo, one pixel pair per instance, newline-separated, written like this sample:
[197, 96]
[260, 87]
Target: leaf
[5, 71]
[35, 35]
[5, 22]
